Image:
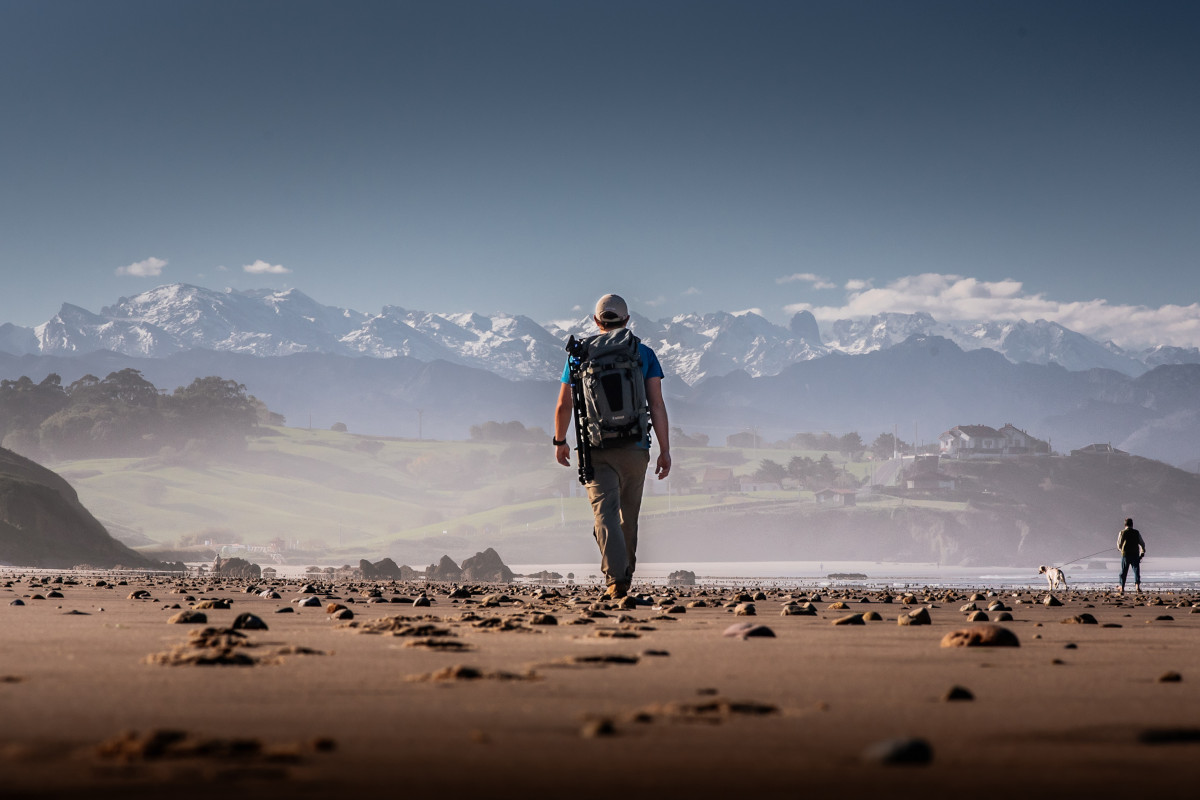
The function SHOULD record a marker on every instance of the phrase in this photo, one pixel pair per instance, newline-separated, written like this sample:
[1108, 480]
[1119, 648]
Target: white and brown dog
[1054, 577]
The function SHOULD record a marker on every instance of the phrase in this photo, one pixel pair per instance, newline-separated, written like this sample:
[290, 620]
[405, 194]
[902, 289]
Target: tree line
[124, 415]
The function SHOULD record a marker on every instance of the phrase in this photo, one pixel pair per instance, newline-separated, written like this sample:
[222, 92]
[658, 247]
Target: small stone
[981, 636]
[852, 619]
[1170, 677]
[899, 752]
[746, 630]
[798, 610]
[1051, 601]
[745, 610]
[918, 616]
[188, 617]
[1080, 619]
[872, 616]
[958, 693]
[249, 622]
[599, 727]
[977, 616]
[1169, 735]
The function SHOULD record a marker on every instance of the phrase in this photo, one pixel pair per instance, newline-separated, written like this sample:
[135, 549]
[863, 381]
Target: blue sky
[973, 159]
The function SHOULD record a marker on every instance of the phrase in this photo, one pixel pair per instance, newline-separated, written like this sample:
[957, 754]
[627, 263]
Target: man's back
[1129, 542]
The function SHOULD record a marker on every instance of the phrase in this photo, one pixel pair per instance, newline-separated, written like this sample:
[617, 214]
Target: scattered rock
[249, 622]
[1170, 677]
[958, 693]
[899, 752]
[747, 630]
[1169, 735]
[918, 616]
[597, 728]
[188, 617]
[981, 636]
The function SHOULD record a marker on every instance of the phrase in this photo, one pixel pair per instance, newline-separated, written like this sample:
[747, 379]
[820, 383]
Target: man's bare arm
[658, 419]
[562, 419]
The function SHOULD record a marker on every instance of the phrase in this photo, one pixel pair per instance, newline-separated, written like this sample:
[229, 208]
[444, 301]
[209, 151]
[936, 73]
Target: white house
[982, 441]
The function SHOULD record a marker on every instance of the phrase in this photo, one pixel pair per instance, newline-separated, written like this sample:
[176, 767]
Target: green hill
[323, 496]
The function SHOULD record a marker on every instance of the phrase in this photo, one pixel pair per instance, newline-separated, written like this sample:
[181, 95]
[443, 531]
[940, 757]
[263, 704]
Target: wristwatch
[557, 442]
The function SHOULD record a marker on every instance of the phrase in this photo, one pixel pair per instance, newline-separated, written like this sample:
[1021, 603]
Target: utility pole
[420, 423]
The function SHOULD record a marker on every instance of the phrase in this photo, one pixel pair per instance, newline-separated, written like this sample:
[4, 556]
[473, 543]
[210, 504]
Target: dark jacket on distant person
[1130, 543]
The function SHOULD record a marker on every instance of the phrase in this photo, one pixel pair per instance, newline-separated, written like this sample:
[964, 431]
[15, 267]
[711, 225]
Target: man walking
[618, 465]
[1133, 550]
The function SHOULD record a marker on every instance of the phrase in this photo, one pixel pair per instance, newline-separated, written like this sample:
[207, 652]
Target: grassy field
[340, 493]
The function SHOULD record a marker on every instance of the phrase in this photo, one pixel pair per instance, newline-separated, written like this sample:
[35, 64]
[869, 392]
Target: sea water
[1157, 573]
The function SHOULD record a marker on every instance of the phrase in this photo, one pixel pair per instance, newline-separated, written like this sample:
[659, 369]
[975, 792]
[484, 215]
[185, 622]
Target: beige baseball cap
[612, 308]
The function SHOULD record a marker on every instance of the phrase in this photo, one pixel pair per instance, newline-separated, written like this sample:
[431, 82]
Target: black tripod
[583, 446]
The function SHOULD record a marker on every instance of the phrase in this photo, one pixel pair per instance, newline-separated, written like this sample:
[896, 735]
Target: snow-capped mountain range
[179, 317]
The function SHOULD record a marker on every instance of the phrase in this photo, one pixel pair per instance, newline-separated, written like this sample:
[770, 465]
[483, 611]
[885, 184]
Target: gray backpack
[614, 389]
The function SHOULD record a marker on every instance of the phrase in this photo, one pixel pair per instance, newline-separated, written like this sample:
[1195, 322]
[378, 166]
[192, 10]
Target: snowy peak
[267, 322]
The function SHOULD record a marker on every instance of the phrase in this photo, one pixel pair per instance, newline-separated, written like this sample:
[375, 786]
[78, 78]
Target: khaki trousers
[616, 495]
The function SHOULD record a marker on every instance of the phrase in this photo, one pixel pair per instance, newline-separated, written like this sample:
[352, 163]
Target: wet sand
[511, 690]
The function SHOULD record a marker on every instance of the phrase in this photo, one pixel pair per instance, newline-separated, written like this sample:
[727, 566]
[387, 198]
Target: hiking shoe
[616, 591]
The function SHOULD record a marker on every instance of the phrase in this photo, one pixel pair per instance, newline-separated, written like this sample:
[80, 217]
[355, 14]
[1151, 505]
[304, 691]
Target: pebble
[919, 616]
[249, 622]
[746, 630]
[894, 752]
[981, 636]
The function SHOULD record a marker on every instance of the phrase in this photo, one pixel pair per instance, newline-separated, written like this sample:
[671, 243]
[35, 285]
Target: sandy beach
[511, 690]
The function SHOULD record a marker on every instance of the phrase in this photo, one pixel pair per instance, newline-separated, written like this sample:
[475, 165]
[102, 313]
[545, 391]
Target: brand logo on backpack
[607, 373]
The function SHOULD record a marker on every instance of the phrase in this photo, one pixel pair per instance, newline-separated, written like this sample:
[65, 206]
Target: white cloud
[807, 277]
[261, 267]
[746, 311]
[691, 291]
[658, 301]
[954, 298]
[150, 268]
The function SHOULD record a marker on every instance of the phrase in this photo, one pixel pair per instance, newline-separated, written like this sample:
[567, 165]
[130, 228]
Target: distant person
[618, 463]
[1133, 550]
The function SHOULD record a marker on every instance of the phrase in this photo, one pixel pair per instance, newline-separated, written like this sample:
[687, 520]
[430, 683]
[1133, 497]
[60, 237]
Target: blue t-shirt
[650, 366]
